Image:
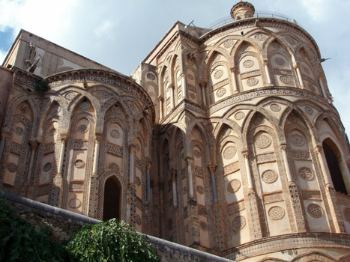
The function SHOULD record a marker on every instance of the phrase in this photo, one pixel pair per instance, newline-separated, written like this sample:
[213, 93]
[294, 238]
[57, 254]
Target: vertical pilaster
[55, 197]
[189, 161]
[174, 187]
[28, 182]
[255, 225]
[267, 72]
[298, 223]
[94, 182]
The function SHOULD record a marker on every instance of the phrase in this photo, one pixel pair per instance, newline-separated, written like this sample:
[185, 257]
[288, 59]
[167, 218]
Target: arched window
[332, 156]
[112, 195]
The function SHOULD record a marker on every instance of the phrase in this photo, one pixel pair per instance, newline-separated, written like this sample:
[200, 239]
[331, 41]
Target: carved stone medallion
[151, 76]
[269, 176]
[238, 223]
[234, 186]
[263, 141]
[315, 210]
[115, 133]
[306, 173]
[309, 110]
[297, 140]
[83, 128]
[239, 116]
[275, 107]
[280, 61]
[252, 81]
[229, 152]
[248, 63]
[74, 203]
[47, 167]
[218, 74]
[79, 163]
[220, 92]
[12, 167]
[276, 213]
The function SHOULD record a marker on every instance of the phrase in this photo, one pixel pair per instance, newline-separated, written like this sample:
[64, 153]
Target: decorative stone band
[288, 242]
[261, 92]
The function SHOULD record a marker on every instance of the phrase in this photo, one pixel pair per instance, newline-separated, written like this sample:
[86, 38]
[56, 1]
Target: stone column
[335, 214]
[297, 222]
[130, 211]
[253, 208]
[174, 187]
[286, 163]
[148, 181]
[189, 161]
[203, 86]
[96, 155]
[94, 183]
[267, 72]
[161, 107]
[234, 79]
[132, 163]
[28, 182]
[247, 168]
[213, 182]
[172, 88]
[296, 67]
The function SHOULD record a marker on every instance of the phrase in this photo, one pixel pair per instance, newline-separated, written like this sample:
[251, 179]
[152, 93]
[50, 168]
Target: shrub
[20, 241]
[110, 241]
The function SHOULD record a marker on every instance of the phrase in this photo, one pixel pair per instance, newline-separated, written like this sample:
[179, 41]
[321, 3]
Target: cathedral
[223, 139]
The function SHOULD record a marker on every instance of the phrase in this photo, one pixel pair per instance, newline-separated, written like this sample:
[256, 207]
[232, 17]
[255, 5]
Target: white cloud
[47, 18]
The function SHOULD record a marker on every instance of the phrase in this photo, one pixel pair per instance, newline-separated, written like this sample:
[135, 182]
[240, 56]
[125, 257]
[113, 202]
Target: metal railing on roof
[228, 20]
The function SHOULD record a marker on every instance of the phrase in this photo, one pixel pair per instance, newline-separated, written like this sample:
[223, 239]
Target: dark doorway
[111, 200]
[333, 157]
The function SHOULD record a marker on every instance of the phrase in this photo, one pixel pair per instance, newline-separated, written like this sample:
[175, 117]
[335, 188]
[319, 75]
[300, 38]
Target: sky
[119, 34]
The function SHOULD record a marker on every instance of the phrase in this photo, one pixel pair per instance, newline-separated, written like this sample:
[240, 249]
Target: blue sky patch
[6, 38]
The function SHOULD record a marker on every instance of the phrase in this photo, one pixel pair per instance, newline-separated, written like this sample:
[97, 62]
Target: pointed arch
[15, 162]
[280, 64]
[308, 69]
[335, 166]
[249, 66]
[112, 199]
[219, 77]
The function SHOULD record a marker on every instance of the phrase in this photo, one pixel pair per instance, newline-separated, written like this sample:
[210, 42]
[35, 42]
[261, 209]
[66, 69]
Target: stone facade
[225, 140]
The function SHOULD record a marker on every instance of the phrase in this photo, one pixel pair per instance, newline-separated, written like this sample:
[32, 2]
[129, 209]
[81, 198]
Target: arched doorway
[333, 161]
[111, 199]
